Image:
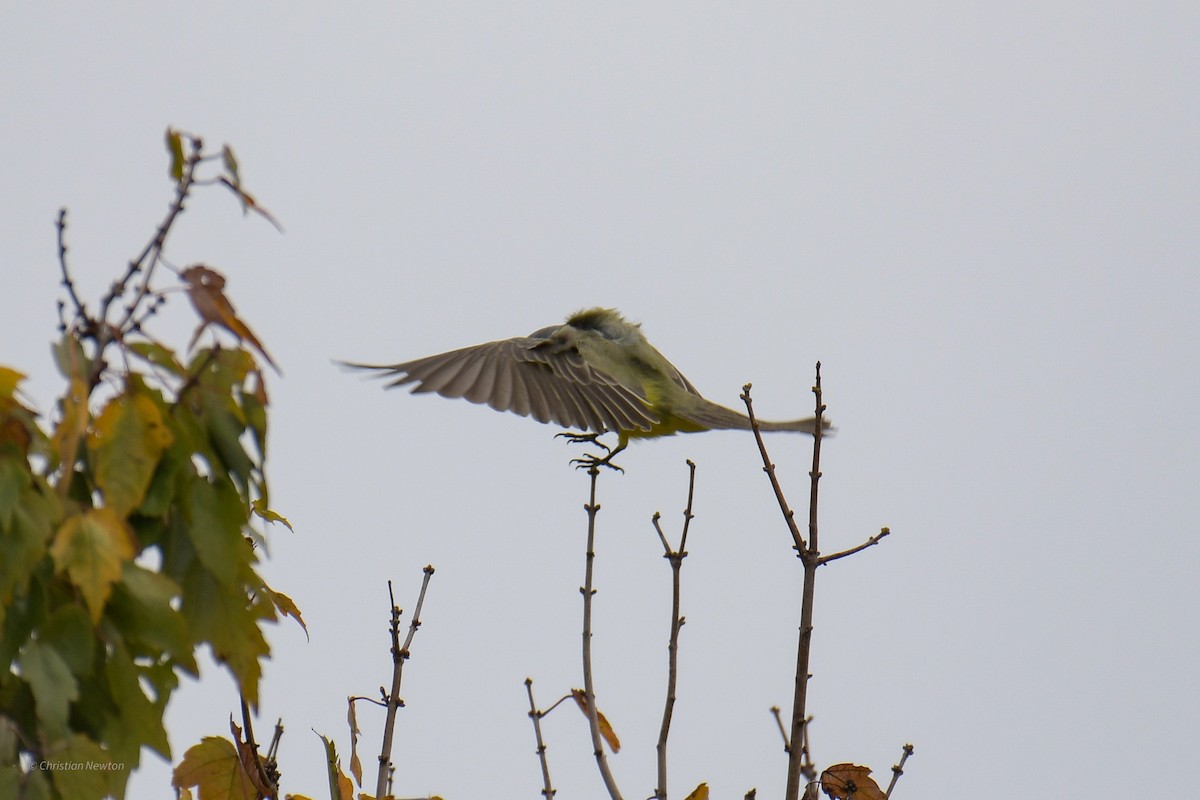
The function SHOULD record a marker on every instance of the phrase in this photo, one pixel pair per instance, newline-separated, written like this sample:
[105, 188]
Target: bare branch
[799, 762]
[874, 540]
[787, 746]
[536, 716]
[400, 654]
[252, 746]
[593, 714]
[148, 258]
[898, 769]
[60, 226]
[676, 558]
[789, 516]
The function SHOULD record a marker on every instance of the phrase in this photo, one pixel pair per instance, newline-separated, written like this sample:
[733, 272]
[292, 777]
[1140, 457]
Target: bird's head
[607, 322]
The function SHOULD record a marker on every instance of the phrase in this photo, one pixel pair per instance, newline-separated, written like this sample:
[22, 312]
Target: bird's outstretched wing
[543, 376]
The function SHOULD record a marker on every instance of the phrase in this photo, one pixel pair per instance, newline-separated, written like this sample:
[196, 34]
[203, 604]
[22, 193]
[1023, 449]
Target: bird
[596, 373]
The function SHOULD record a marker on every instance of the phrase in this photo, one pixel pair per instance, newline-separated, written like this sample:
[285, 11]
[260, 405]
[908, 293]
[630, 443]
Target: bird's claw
[589, 461]
[583, 438]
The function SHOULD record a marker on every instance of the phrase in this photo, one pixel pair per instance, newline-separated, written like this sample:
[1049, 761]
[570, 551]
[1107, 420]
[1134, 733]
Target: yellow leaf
[214, 768]
[606, 730]
[91, 548]
[175, 148]
[126, 443]
[286, 606]
[699, 793]
[231, 164]
[850, 782]
[71, 427]
[9, 378]
[261, 510]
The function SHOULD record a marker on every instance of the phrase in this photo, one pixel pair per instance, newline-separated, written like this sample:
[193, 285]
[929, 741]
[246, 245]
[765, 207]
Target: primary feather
[596, 372]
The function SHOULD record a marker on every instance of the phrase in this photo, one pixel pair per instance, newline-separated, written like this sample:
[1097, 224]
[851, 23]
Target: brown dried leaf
[850, 782]
[606, 730]
[355, 763]
[205, 288]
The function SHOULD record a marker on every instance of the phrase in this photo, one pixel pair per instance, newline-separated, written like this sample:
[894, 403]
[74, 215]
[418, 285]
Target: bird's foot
[589, 461]
[583, 438]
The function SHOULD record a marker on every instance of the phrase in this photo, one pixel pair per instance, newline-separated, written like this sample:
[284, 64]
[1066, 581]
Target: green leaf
[19, 616]
[23, 541]
[70, 359]
[14, 477]
[91, 548]
[220, 615]
[69, 632]
[9, 741]
[216, 516]
[158, 355]
[141, 608]
[221, 419]
[175, 148]
[126, 442]
[32, 786]
[80, 771]
[140, 718]
[54, 688]
[176, 461]
[333, 766]
[254, 405]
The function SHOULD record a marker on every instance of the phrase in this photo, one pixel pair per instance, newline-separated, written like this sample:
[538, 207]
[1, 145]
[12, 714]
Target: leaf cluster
[126, 535]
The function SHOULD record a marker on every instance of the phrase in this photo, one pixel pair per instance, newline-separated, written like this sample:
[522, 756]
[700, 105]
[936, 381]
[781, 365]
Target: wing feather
[542, 376]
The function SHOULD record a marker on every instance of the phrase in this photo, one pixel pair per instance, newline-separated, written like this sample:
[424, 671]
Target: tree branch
[536, 716]
[675, 557]
[874, 540]
[593, 714]
[400, 654]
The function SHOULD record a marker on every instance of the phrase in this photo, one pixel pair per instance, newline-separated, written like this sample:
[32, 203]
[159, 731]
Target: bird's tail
[715, 417]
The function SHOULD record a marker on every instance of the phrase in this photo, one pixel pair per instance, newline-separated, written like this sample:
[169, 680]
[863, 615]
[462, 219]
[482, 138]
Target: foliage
[126, 526]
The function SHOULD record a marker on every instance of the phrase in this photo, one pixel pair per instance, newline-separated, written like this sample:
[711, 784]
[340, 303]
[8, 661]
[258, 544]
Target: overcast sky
[981, 217]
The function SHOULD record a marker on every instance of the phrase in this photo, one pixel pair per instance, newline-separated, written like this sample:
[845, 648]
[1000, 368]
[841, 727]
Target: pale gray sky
[981, 217]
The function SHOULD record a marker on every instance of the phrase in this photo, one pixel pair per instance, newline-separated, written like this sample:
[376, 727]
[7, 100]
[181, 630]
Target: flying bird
[597, 372]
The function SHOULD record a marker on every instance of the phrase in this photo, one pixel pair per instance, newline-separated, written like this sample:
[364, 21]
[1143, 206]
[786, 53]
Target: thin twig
[536, 716]
[789, 516]
[558, 702]
[400, 654]
[874, 540]
[775, 712]
[898, 769]
[799, 767]
[252, 746]
[146, 260]
[589, 688]
[60, 226]
[808, 551]
[675, 557]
